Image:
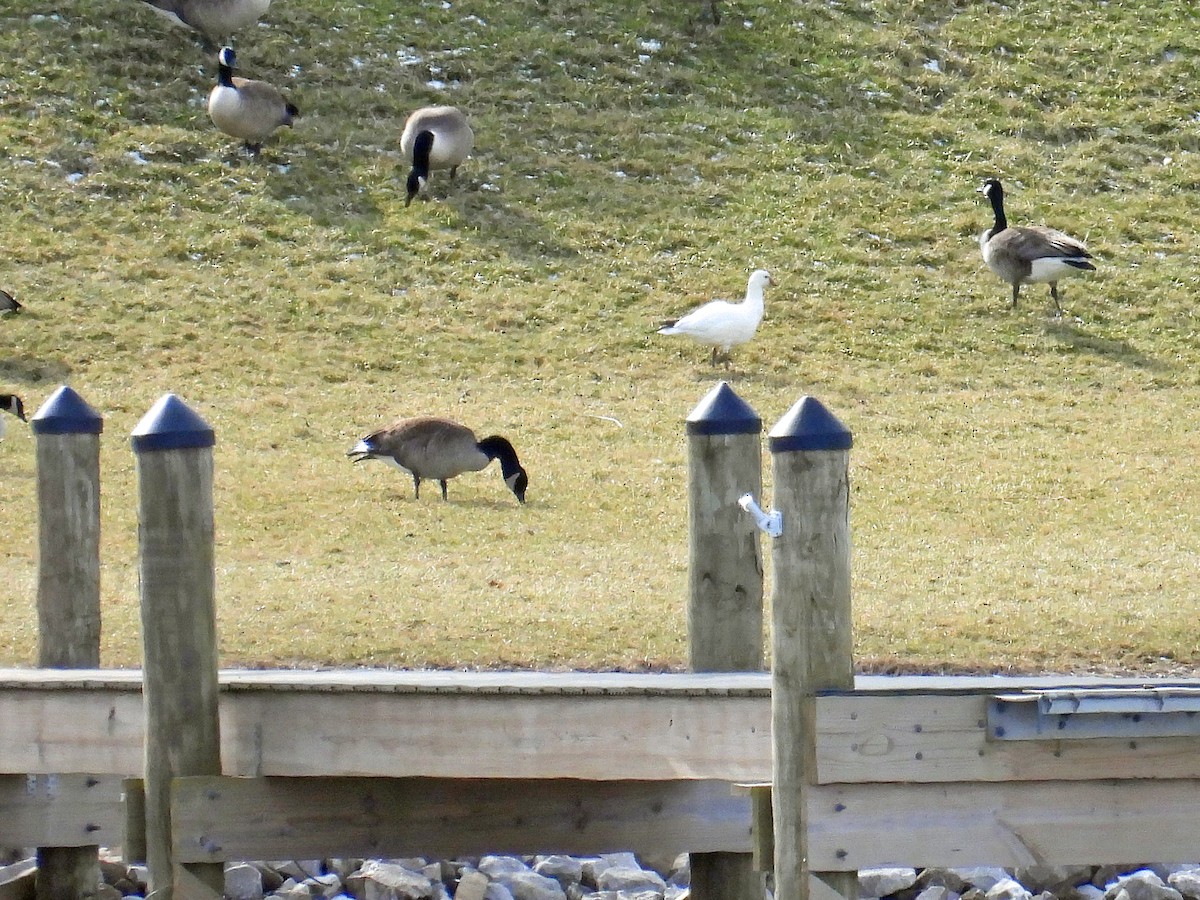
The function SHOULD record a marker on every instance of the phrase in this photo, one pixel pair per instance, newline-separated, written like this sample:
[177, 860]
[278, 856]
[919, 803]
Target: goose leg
[713, 359]
[1016, 290]
[417, 486]
[1054, 296]
[442, 482]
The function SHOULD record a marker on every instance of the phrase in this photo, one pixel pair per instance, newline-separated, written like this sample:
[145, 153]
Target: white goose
[724, 324]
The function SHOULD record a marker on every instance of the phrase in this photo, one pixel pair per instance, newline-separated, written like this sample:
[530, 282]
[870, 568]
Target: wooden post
[68, 430]
[725, 583]
[173, 449]
[811, 645]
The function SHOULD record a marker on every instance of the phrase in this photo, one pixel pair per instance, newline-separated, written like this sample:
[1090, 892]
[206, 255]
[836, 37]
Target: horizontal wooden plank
[936, 738]
[222, 818]
[621, 727]
[1053, 823]
[527, 736]
[592, 736]
[60, 811]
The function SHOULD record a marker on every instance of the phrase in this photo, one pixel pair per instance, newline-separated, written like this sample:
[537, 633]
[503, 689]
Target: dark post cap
[809, 426]
[171, 424]
[723, 412]
[65, 412]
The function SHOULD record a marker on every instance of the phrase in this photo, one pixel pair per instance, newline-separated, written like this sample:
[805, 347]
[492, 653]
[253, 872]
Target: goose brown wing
[1040, 241]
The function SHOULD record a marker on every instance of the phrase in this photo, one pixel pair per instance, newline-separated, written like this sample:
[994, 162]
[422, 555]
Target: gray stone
[1187, 882]
[631, 880]
[243, 882]
[293, 890]
[328, 885]
[883, 881]
[982, 877]
[937, 892]
[472, 885]
[1007, 889]
[566, 870]
[594, 867]
[1054, 879]
[677, 892]
[497, 891]
[937, 877]
[681, 871]
[529, 885]
[495, 866]
[1143, 884]
[298, 869]
[388, 881]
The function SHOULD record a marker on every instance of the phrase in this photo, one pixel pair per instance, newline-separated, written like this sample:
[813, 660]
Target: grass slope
[1024, 487]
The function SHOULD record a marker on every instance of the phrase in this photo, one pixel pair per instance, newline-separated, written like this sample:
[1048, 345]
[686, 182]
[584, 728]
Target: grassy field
[1024, 487]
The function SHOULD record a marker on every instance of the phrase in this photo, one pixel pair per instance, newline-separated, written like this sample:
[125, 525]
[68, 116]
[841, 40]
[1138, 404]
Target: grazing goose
[11, 403]
[9, 304]
[429, 447]
[246, 109]
[1029, 254]
[215, 20]
[724, 324]
[434, 137]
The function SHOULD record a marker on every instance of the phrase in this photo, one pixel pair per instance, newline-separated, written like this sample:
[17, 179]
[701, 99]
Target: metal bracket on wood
[770, 522]
[1079, 713]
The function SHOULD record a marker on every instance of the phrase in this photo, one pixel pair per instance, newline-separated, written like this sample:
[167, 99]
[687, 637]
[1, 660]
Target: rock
[472, 885]
[107, 892]
[883, 881]
[595, 866]
[497, 891]
[947, 878]
[982, 877]
[1141, 885]
[1187, 882]
[1083, 892]
[243, 882]
[388, 881]
[529, 885]
[937, 892]
[293, 890]
[1106, 876]
[565, 870]
[1052, 879]
[1007, 889]
[298, 869]
[632, 880]
[495, 866]
[681, 871]
[328, 885]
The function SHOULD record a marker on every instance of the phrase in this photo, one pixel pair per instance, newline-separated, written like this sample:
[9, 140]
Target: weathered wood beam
[223, 818]
[1003, 824]
[60, 810]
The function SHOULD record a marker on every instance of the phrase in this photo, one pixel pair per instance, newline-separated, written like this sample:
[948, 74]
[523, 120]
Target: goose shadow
[32, 371]
[1079, 340]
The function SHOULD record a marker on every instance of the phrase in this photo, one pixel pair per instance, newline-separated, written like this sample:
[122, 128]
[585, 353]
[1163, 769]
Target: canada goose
[246, 109]
[9, 304]
[430, 447]
[215, 20]
[434, 137]
[1028, 254]
[11, 403]
[724, 324]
